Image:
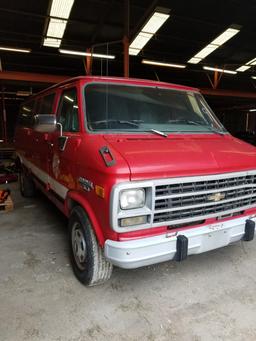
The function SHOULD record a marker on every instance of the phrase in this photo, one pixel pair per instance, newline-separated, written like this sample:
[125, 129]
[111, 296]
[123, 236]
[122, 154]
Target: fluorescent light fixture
[69, 99]
[219, 70]
[194, 60]
[251, 110]
[14, 49]
[152, 62]
[253, 77]
[155, 22]
[141, 40]
[157, 19]
[206, 51]
[81, 53]
[1, 141]
[133, 52]
[243, 68]
[216, 43]
[61, 9]
[26, 109]
[56, 28]
[252, 62]
[225, 36]
[59, 13]
[247, 66]
[52, 42]
[23, 93]
[14, 99]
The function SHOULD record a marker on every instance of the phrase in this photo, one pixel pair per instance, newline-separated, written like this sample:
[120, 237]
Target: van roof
[120, 80]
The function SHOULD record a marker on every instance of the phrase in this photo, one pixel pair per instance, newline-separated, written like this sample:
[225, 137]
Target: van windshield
[124, 108]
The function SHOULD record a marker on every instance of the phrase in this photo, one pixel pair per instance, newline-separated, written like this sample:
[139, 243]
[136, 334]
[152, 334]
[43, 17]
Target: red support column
[4, 123]
[88, 62]
[215, 79]
[126, 56]
[126, 37]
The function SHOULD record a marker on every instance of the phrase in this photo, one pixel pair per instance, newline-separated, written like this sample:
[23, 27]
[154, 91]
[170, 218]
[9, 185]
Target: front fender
[81, 200]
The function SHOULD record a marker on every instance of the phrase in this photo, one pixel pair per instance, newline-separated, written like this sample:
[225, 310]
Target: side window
[46, 106]
[68, 111]
[26, 114]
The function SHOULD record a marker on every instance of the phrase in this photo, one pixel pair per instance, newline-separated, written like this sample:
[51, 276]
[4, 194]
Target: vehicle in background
[143, 170]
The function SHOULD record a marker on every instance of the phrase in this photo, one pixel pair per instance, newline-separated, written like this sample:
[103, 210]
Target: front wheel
[87, 258]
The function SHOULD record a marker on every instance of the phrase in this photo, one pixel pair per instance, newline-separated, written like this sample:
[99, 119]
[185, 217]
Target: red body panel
[137, 157]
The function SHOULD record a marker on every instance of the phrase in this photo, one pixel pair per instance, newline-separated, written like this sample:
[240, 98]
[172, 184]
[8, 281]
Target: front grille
[189, 199]
[178, 188]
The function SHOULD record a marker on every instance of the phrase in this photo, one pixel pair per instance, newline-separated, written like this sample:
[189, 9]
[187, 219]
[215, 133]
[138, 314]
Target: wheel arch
[76, 199]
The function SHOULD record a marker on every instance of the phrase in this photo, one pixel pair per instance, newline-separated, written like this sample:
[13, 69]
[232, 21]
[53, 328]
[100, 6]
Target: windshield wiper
[133, 123]
[116, 121]
[185, 121]
[214, 130]
[158, 132]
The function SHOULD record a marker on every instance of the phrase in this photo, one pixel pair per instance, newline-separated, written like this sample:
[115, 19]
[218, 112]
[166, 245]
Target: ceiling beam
[32, 77]
[228, 93]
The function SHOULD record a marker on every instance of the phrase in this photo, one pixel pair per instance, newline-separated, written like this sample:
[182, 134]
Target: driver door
[64, 145]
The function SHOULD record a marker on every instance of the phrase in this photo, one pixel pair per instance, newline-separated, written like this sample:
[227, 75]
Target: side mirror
[45, 123]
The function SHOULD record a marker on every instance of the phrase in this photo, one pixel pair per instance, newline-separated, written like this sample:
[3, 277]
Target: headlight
[132, 198]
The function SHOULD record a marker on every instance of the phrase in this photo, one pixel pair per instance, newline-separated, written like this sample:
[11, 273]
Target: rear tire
[87, 257]
[27, 186]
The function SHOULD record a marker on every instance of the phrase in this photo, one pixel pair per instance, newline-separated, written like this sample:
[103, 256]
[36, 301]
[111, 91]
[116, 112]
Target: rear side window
[26, 115]
[68, 111]
[46, 106]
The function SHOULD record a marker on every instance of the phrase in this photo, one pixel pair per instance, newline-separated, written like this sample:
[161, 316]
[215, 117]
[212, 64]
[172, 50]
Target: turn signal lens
[133, 221]
[100, 191]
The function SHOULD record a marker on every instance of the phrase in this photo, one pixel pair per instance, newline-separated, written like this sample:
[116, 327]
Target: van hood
[183, 155]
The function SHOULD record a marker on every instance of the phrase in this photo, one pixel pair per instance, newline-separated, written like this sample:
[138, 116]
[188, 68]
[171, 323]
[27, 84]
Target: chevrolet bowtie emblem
[216, 197]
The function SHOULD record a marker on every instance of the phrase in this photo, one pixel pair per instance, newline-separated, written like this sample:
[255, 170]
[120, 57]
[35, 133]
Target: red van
[143, 170]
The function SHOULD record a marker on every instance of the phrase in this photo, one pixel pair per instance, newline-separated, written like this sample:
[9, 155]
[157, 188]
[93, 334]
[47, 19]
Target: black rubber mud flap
[249, 230]
[182, 248]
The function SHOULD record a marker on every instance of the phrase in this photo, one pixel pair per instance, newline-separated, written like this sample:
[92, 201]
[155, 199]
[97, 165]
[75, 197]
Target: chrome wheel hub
[79, 245]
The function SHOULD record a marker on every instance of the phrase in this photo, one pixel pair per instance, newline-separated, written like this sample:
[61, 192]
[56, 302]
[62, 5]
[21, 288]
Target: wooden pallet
[7, 206]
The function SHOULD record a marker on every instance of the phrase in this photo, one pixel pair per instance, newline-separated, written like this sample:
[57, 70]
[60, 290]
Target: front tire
[87, 258]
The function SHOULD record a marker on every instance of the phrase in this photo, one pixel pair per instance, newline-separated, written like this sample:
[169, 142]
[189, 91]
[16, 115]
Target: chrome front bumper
[152, 250]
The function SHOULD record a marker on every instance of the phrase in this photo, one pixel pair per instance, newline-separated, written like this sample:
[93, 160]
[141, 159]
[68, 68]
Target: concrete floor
[208, 297]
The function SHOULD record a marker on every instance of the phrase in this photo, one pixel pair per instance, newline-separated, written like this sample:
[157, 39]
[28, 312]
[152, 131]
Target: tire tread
[100, 269]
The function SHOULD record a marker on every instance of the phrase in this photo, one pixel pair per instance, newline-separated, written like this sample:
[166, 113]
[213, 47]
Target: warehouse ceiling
[98, 23]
